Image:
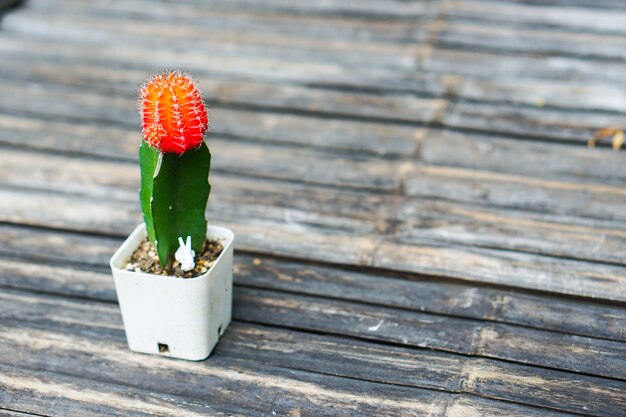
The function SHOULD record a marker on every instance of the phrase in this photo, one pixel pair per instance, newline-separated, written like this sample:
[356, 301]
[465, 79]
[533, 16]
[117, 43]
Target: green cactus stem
[173, 194]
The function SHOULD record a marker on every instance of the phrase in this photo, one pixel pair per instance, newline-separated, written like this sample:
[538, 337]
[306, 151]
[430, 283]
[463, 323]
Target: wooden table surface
[421, 228]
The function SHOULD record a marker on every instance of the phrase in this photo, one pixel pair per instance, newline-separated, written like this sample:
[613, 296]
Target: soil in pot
[145, 260]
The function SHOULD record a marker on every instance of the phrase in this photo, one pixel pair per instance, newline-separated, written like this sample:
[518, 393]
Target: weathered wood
[536, 122]
[540, 387]
[245, 19]
[492, 153]
[121, 142]
[475, 288]
[207, 40]
[338, 357]
[213, 384]
[228, 390]
[424, 223]
[75, 255]
[545, 95]
[355, 243]
[602, 4]
[555, 350]
[85, 104]
[506, 268]
[429, 222]
[11, 413]
[562, 17]
[376, 9]
[497, 37]
[314, 167]
[485, 65]
[421, 221]
[469, 337]
[569, 197]
[326, 74]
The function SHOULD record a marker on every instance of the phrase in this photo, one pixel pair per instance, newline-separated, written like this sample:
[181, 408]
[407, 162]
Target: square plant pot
[178, 317]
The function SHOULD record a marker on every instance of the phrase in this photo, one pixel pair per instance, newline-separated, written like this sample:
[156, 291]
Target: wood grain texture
[554, 186]
[324, 73]
[77, 334]
[417, 329]
[569, 197]
[83, 104]
[373, 9]
[564, 17]
[73, 255]
[301, 351]
[493, 153]
[354, 244]
[364, 238]
[496, 37]
[421, 230]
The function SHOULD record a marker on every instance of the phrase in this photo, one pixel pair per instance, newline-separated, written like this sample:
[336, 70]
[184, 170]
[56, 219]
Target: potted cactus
[173, 275]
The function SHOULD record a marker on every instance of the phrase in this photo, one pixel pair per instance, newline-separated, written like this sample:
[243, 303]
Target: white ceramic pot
[177, 317]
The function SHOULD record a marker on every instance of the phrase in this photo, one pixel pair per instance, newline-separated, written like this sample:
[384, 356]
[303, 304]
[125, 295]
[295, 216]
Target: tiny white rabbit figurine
[184, 254]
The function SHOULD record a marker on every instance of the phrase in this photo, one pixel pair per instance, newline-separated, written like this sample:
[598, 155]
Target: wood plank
[206, 40]
[75, 255]
[485, 65]
[85, 104]
[592, 96]
[566, 352]
[506, 268]
[301, 236]
[352, 242]
[337, 356]
[506, 119]
[426, 222]
[291, 71]
[545, 82]
[569, 197]
[418, 222]
[468, 337]
[80, 334]
[370, 9]
[561, 196]
[393, 37]
[422, 222]
[603, 4]
[494, 153]
[551, 123]
[305, 165]
[597, 95]
[233, 125]
[231, 390]
[12, 413]
[492, 379]
[498, 37]
[579, 18]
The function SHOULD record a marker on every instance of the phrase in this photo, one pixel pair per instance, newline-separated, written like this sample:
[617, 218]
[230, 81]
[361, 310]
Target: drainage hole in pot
[219, 331]
[163, 348]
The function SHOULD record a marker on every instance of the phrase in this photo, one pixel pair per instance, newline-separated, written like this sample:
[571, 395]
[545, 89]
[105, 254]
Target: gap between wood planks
[7, 412]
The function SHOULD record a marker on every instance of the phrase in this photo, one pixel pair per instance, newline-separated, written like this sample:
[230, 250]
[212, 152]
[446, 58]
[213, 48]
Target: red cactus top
[173, 116]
